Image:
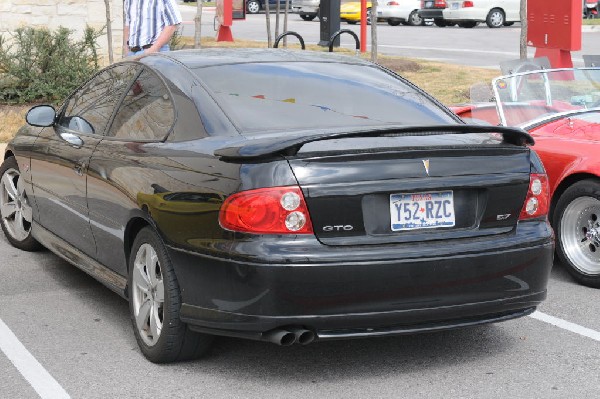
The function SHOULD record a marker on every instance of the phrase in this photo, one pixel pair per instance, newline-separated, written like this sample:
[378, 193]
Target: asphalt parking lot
[62, 334]
[480, 46]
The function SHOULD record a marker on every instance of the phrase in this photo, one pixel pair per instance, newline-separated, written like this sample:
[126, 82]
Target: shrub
[40, 65]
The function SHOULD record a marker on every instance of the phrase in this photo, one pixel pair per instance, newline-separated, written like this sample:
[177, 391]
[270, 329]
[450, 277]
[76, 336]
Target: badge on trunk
[426, 164]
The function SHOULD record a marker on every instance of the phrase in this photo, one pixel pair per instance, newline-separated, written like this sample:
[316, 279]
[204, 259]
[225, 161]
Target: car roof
[199, 58]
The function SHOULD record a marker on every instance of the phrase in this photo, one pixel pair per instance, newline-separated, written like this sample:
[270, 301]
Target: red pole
[363, 26]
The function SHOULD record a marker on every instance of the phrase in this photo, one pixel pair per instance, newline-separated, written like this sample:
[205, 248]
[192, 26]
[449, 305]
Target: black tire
[576, 222]
[307, 17]
[495, 18]
[509, 23]
[414, 19]
[16, 227]
[352, 22]
[253, 7]
[175, 341]
[393, 22]
[468, 25]
[440, 22]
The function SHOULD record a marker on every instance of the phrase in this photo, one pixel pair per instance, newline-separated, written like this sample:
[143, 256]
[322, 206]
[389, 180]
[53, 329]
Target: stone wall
[73, 14]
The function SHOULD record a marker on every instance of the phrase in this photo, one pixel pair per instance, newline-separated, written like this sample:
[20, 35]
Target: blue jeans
[162, 50]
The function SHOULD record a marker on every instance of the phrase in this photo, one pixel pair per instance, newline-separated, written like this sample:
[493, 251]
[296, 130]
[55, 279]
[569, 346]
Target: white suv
[495, 13]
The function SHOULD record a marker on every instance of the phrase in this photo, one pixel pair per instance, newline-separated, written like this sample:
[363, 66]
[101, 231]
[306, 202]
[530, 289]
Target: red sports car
[560, 108]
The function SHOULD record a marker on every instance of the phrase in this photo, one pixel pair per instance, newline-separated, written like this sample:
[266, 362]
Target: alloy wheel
[15, 210]
[415, 19]
[148, 294]
[580, 227]
[253, 7]
[496, 18]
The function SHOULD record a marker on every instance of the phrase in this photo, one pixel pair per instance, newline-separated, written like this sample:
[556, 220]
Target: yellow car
[350, 12]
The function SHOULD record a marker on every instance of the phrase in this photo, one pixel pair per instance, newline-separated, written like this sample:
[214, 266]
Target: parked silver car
[307, 9]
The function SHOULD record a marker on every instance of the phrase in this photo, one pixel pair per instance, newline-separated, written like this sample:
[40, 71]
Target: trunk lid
[380, 190]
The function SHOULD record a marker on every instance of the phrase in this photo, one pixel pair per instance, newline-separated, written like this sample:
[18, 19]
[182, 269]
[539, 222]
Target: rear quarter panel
[565, 156]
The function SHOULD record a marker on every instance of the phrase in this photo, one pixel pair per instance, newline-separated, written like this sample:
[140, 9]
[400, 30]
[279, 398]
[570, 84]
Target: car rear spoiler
[291, 143]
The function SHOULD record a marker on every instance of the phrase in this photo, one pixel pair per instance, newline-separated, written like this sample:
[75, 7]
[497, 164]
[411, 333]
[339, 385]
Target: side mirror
[41, 116]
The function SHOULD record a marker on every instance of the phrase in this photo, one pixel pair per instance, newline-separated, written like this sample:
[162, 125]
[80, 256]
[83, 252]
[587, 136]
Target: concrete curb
[590, 28]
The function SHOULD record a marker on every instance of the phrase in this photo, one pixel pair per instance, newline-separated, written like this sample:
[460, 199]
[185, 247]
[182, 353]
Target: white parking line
[28, 366]
[566, 325]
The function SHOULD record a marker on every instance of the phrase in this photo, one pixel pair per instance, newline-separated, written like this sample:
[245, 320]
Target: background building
[73, 14]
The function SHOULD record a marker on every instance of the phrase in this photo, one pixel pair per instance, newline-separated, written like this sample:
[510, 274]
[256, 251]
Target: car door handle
[73, 139]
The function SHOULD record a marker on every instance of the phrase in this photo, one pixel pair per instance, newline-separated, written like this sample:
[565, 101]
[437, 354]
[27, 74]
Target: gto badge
[338, 227]
[503, 217]
[426, 164]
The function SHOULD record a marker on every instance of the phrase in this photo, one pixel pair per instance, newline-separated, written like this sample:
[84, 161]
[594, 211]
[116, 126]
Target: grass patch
[449, 83]
[591, 21]
[11, 120]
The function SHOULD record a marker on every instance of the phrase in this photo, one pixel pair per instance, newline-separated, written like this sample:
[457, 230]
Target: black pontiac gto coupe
[280, 196]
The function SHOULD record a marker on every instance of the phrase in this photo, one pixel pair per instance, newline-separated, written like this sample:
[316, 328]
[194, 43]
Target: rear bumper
[388, 294]
[431, 13]
[327, 334]
[350, 16]
[464, 15]
[390, 12]
[308, 10]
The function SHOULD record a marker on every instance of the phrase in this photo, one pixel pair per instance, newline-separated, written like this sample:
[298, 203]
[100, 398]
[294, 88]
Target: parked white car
[307, 9]
[495, 13]
[396, 12]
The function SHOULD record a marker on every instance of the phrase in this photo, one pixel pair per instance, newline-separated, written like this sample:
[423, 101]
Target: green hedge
[41, 65]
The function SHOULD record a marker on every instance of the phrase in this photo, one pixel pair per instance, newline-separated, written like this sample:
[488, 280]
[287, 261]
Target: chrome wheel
[414, 19]
[580, 234]
[148, 292]
[253, 7]
[495, 18]
[15, 209]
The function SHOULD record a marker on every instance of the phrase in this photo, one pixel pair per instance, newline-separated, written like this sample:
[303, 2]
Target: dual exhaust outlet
[290, 335]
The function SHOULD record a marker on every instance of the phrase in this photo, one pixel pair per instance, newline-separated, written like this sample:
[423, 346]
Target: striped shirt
[147, 19]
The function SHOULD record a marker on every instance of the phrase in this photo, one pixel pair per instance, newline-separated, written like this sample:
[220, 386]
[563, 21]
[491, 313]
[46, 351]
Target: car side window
[89, 109]
[147, 111]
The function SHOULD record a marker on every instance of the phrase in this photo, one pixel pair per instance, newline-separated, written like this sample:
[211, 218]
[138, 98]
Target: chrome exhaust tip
[280, 337]
[303, 336]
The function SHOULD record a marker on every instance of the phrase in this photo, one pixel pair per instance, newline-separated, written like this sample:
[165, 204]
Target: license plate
[429, 4]
[379, 12]
[455, 6]
[411, 211]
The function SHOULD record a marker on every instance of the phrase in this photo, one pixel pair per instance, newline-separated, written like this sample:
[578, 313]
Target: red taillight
[273, 210]
[440, 3]
[537, 200]
[467, 4]
[393, 3]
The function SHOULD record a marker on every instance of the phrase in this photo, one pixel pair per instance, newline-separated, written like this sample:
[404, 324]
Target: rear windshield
[300, 95]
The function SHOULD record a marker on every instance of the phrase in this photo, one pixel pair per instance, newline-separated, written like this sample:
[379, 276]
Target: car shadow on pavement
[346, 360]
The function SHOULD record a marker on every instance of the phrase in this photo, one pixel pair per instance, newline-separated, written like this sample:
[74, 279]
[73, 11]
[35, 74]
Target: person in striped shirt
[149, 25]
